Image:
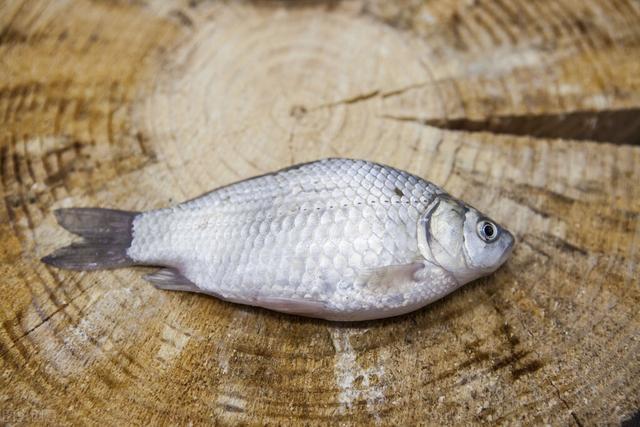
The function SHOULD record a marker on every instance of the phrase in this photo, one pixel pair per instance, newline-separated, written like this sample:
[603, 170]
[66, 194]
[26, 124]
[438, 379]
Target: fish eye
[487, 230]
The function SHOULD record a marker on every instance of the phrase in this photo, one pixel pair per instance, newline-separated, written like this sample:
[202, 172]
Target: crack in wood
[347, 101]
[566, 404]
[44, 320]
[619, 126]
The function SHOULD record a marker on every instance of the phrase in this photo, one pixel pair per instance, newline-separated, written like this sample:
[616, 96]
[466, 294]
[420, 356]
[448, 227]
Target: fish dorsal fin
[170, 279]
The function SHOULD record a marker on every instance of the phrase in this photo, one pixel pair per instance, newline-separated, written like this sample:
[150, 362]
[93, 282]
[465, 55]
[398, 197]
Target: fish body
[338, 239]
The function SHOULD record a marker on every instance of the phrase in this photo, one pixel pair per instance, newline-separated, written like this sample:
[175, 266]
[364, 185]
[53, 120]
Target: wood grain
[527, 110]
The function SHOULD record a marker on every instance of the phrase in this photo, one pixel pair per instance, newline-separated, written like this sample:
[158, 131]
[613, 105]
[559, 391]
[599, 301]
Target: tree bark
[527, 110]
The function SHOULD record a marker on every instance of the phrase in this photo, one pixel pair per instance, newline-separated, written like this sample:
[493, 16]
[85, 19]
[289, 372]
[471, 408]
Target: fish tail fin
[107, 234]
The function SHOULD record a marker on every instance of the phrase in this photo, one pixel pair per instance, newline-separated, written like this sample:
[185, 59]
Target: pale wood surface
[512, 106]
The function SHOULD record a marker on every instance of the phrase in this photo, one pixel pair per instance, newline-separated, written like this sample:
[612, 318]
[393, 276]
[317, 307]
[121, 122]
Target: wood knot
[298, 111]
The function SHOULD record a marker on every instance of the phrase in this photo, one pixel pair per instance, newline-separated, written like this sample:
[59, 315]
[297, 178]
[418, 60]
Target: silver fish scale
[310, 233]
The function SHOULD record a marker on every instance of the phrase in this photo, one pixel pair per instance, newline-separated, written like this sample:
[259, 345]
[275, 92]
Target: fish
[338, 239]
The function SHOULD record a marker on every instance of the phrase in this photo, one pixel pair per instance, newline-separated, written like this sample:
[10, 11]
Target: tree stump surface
[527, 110]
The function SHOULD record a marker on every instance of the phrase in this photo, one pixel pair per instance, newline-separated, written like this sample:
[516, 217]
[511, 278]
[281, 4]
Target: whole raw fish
[337, 239]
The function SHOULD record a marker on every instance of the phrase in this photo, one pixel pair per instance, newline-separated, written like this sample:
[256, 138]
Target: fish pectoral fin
[302, 307]
[170, 279]
[393, 275]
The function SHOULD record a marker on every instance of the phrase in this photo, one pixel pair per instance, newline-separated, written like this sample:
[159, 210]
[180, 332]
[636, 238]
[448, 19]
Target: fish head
[461, 240]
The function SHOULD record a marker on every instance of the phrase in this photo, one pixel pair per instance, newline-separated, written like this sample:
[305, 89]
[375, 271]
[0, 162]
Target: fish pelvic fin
[106, 233]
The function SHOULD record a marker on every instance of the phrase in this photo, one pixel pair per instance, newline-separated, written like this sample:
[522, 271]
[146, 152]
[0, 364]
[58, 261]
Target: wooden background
[528, 110]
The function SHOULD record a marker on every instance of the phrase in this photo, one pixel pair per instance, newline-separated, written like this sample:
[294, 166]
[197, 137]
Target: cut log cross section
[527, 110]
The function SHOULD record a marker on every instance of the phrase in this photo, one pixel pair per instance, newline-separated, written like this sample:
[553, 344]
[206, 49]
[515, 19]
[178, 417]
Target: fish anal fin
[170, 279]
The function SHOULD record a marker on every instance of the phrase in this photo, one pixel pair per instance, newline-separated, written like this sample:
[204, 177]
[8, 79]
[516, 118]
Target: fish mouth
[511, 242]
